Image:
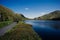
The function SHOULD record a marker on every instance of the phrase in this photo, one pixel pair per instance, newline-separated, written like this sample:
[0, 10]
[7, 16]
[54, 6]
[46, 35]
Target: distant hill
[7, 14]
[51, 16]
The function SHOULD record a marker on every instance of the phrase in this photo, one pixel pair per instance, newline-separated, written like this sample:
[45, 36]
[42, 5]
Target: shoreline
[21, 31]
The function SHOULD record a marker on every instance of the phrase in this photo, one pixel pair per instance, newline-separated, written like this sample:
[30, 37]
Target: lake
[46, 29]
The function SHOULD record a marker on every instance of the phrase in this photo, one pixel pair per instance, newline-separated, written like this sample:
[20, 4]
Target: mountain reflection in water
[48, 30]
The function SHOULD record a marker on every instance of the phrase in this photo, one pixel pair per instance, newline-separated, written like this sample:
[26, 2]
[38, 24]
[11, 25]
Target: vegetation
[2, 24]
[21, 31]
[8, 15]
[51, 16]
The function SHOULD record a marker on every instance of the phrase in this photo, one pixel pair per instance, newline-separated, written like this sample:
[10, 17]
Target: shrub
[5, 23]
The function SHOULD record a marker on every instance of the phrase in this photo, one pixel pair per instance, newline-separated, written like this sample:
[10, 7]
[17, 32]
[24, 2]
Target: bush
[5, 23]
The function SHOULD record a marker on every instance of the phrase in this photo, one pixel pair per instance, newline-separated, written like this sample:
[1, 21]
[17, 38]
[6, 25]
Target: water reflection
[48, 30]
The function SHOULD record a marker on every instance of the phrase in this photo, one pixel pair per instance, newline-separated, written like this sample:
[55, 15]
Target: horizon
[32, 8]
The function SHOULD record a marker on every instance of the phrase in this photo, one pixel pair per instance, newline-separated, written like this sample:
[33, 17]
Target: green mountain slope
[51, 16]
[8, 15]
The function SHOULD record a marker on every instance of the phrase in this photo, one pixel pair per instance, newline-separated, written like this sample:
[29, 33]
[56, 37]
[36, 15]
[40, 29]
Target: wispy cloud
[26, 8]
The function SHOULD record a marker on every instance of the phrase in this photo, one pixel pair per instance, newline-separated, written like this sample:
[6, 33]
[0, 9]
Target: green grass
[5, 23]
[21, 31]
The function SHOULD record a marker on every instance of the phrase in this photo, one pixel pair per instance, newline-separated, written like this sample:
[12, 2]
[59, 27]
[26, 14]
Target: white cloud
[26, 8]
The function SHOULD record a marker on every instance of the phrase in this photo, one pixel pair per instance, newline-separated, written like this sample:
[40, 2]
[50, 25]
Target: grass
[21, 31]
[5, 23]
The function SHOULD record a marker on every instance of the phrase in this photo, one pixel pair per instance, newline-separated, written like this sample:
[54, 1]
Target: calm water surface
[48, 30]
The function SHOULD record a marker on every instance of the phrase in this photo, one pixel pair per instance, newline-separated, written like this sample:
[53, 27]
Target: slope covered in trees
[8, 15]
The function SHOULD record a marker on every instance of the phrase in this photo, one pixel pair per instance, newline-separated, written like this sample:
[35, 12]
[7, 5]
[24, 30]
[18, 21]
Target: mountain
[55, 15]
[7, 14]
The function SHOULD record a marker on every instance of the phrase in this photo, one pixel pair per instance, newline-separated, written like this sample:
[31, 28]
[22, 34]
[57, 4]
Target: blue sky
[32, 8]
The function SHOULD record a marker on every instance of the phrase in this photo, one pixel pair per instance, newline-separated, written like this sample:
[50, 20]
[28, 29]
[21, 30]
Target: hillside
[8, 15]
[51, 16]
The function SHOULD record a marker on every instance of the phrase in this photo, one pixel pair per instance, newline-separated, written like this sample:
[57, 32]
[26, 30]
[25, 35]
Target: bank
[21, 31]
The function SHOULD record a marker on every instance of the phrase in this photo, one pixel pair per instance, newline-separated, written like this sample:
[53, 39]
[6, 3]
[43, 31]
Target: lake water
[47, 30]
